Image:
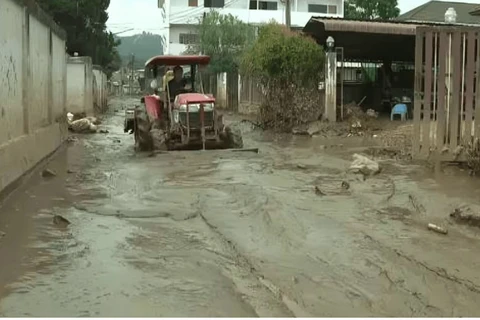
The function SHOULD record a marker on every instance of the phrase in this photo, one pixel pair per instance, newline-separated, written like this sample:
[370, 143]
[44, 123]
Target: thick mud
[221, 233]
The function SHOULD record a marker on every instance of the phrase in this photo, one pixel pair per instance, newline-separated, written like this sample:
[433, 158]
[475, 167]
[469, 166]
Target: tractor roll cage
[169, 60]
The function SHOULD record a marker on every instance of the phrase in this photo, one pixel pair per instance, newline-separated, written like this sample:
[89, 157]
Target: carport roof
[367, 40]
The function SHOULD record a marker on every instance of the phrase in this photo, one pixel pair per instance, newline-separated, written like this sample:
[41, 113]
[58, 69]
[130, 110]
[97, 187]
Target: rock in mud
[47, 173]
[345, 185]
[72, 139]
[319, 192]
[466, 215]
[60, 221]
[364, 165]
[2, 234]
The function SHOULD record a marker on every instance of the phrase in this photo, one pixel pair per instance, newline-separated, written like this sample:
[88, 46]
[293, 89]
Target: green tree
[288, 66]
[371, 9]
[223, 38]
[84, 21]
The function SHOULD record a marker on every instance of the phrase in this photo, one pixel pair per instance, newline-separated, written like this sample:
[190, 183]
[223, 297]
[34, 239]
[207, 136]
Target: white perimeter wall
[100, 100]
[32, 88]
[80, 85]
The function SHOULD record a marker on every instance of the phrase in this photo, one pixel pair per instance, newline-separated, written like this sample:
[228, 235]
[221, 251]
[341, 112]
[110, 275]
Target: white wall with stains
[39, 74]
[11, 70]
[80, 85]
[59, 77]
[100, 101]
[32, 88]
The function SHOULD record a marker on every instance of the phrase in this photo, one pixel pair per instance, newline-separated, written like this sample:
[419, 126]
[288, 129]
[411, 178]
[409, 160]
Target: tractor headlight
[195, 107]
[208, 107]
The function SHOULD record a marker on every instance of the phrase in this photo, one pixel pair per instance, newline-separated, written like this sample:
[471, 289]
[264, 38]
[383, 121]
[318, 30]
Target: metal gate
[447, 91]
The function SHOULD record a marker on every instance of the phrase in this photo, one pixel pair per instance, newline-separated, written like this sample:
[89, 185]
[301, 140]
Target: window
[319, 8]
[214, 3]
[332, 9]
[188, 38]
[322, 8]
[193, 3]
[263, 5]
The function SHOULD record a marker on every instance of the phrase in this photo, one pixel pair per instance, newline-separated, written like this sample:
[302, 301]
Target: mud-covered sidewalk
[223, 233]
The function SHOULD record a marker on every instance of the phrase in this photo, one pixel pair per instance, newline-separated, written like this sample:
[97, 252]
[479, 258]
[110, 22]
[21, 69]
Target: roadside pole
[132, 73]
[288, 20]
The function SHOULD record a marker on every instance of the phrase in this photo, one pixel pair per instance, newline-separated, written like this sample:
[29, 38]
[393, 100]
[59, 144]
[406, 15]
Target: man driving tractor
[177, 84]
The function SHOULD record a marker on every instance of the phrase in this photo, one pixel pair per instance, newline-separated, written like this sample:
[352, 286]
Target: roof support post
[331, 86]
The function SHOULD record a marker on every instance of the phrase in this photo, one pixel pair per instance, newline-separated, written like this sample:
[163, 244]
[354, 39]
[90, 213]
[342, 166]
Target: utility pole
[288, 7]
[203, 21]
[132, 73]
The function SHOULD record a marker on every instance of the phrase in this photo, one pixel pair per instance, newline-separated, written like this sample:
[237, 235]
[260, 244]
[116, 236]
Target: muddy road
[235, 234]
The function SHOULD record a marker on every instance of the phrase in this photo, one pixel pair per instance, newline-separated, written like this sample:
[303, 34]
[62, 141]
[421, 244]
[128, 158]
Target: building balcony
[181, 15]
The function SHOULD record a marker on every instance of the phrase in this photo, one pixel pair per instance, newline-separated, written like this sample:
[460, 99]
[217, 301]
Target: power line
[198, 11]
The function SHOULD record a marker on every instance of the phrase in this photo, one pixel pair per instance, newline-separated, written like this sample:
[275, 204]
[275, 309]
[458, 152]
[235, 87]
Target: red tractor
[177, 114]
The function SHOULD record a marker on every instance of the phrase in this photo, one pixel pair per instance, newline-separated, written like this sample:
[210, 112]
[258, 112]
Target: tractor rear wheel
[233, 139]
[159, 140]
[143, 138]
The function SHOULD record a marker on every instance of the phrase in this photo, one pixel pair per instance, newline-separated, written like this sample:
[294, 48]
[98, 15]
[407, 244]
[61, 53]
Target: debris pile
[466, 215]
[473, 157]
[364, 165]
[321, 128]
[357, 118]
[82, 125]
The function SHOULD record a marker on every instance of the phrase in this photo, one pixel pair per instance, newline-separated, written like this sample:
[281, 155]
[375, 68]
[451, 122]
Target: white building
[179, 15]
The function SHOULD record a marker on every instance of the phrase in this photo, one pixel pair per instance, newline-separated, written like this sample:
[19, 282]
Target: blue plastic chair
[400, 109]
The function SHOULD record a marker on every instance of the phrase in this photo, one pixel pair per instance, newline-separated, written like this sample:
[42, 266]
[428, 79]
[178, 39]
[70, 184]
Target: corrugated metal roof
[379, 27]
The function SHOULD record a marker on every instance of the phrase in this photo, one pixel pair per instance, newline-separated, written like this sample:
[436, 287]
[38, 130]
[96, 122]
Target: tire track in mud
[437, 272]
[292, 306]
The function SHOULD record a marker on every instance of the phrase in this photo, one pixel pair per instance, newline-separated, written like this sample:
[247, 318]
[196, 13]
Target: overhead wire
[199, 9]
[176, 17]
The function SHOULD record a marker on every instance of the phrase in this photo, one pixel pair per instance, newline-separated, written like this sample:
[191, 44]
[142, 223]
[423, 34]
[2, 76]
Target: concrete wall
[100, 97]
[80, 85]
[32, 82]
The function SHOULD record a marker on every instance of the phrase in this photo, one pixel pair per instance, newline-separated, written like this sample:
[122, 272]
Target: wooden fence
[447, 91]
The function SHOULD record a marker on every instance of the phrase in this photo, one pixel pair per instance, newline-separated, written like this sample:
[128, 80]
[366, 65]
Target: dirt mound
[399, 138]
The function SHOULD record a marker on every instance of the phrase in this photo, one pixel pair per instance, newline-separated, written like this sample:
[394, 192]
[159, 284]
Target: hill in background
[143, 46]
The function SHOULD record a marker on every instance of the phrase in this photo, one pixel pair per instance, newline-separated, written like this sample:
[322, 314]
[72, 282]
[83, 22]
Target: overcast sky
[143, 15]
